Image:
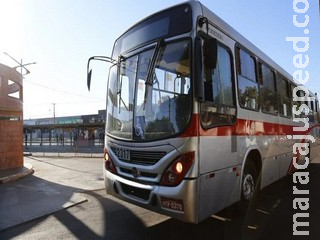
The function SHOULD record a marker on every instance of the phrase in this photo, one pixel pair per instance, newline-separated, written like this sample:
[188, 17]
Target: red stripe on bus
[242, 127]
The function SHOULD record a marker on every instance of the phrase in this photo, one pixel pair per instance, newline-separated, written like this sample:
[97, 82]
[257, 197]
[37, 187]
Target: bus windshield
[150, 99]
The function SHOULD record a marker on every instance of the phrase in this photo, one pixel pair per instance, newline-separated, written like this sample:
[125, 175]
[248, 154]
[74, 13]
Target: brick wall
[11, 118]
[11, 151]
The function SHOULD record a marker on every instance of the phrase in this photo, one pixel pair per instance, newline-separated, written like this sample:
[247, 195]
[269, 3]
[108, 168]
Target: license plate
[122, 153]
[173, 204]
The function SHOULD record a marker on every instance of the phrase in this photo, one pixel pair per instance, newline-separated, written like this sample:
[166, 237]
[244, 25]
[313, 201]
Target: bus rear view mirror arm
[210, 46]
[97, 58]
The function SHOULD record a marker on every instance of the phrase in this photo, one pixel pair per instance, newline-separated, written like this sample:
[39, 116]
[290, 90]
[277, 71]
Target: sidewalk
[57, 183]
[48, 151]
[15, 173]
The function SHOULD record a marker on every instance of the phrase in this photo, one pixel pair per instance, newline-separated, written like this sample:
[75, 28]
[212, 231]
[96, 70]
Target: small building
[11, 118]
[80, 131]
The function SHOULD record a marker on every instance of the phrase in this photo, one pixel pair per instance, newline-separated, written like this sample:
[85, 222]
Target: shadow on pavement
[269, 217]
[118, 222]
[33, 197]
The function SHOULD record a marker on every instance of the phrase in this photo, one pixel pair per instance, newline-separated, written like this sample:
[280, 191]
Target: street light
[22, 66]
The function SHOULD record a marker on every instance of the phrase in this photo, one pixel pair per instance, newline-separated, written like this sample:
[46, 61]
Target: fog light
[171, 177]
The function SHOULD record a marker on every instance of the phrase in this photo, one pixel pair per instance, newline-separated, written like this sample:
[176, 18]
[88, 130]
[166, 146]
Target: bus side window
[284, 100]
[311, 111]
[317, 112]
[269, 103]
[218, 81]
[219, 105]
[301, 111]
[248, 89]
[295, 104]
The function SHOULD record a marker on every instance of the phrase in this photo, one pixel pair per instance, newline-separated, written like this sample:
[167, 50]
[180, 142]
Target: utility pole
[54, 113]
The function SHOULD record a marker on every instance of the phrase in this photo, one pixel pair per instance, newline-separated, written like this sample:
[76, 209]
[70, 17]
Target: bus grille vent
[142, 157]
[137, 192]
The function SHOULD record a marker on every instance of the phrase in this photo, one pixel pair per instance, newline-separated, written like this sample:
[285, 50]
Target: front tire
[249, 182]
[250, 185]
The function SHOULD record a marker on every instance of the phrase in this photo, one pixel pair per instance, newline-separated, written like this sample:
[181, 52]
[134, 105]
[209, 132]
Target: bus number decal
[122, 153]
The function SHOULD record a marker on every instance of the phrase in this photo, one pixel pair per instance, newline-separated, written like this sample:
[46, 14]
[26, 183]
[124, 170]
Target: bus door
[219, 183]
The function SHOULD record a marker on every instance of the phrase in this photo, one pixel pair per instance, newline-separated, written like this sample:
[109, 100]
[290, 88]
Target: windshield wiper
[121, 59]
[149, 78]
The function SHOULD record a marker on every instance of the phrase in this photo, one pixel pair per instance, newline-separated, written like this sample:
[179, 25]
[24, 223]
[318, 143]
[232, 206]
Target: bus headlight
[177, 170]
[179, 167]
[108, 164]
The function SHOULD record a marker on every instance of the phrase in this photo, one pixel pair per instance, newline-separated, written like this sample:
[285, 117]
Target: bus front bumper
[178, 202]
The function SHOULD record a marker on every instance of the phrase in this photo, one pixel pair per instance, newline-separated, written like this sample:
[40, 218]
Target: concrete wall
[11, 118]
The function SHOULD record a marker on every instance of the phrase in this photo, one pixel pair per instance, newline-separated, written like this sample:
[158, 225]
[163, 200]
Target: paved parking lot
[65, 198]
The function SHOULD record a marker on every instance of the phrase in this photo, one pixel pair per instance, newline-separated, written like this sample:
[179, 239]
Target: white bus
[197, 116]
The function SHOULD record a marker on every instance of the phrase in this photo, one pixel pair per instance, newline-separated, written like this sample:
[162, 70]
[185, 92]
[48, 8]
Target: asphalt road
[95, 215]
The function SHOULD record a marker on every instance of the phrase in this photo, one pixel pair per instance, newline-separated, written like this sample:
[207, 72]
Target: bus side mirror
[199, 88]
[210, 53]
[89, 79]
[89, 73]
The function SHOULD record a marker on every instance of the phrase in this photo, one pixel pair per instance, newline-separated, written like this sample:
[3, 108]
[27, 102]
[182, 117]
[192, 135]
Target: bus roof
[202, 10]
[240, 39]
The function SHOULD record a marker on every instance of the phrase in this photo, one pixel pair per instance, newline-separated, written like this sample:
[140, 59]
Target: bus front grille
[141, 157]
[146, 158]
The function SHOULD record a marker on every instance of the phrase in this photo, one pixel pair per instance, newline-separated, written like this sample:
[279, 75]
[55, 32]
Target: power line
[62, 91]
[48, 102]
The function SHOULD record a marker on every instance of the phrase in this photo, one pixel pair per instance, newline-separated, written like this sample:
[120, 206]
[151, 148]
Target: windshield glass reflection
[146, 104]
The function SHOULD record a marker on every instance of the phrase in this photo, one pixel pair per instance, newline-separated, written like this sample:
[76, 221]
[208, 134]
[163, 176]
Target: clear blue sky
[60, 35]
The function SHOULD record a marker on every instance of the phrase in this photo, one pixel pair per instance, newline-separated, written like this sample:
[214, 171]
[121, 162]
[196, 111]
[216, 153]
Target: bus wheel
[249, 181]
[249, 187]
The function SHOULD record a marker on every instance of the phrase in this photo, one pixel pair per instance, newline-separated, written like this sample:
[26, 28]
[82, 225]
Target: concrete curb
[63, 154]
[15, 174]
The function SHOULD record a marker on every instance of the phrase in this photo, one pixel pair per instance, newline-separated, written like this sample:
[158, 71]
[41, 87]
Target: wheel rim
[248, 187]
